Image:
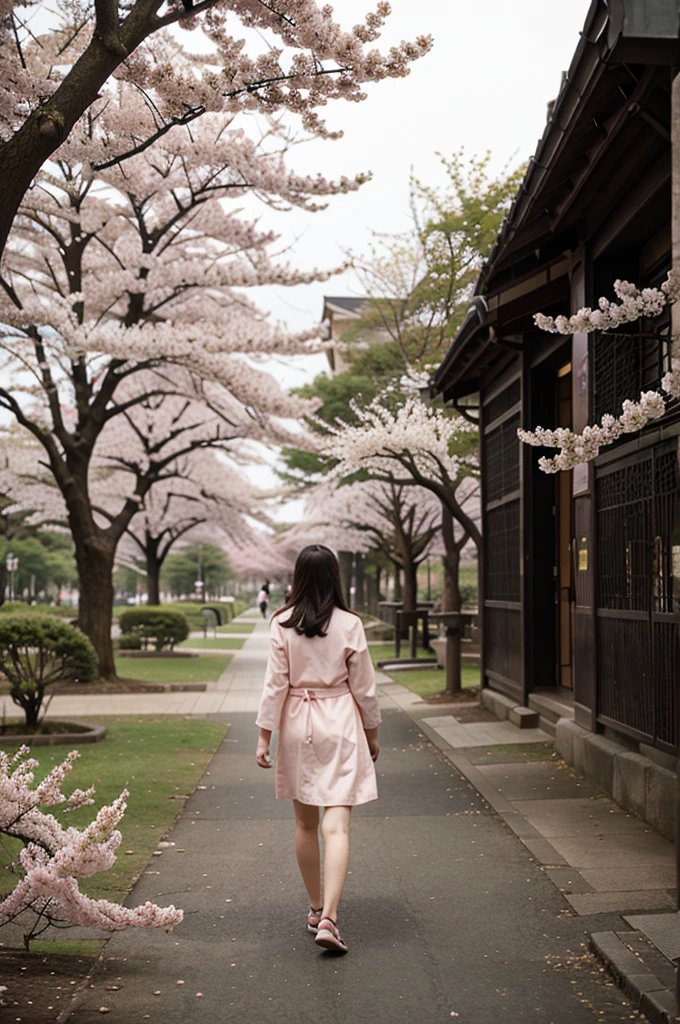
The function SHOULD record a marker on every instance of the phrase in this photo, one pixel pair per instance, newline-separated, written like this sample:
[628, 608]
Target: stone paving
[448, 915]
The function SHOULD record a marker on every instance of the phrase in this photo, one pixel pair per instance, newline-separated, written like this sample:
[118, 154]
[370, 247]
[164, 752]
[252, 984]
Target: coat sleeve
[276, 681]
[361, 679]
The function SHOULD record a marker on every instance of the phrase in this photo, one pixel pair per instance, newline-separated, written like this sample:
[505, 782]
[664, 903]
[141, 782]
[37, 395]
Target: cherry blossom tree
[414, 444]
[634, 304]
[54, 858]
[261, 559]
[205, 492]
[291, 57]
[396, 521]
[128, 289]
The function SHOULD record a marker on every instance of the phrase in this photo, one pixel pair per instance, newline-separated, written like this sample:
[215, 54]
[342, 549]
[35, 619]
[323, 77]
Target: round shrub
[160, 626]
[37, 650]
[130, 642]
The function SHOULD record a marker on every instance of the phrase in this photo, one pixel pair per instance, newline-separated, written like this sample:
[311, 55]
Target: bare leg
[307, 850]
[335, 829]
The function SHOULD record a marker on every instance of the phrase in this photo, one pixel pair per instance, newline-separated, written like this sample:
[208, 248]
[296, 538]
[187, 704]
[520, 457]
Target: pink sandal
[329, 937]
[313, 918]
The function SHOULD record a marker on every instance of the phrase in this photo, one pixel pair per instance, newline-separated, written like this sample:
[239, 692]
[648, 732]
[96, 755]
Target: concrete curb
[642, 987]
[84, 732]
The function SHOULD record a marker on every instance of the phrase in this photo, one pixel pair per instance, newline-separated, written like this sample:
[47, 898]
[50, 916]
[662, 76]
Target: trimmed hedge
[37, 650]
[130, 642]
[161, 626]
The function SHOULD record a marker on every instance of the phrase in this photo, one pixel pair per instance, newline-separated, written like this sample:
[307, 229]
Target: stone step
[524, 718]
[551, 705]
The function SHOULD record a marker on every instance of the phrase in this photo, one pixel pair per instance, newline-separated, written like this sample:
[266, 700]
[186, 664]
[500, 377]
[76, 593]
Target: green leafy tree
[419, 283]
[46, 561]
[197, 561]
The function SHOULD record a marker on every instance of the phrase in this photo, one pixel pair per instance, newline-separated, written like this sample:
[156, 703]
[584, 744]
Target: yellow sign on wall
[583, 556]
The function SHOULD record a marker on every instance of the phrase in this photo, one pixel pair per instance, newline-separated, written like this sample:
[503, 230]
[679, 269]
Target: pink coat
[320, 693]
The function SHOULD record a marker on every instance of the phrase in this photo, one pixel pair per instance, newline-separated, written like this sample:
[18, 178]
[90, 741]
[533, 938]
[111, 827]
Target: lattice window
[624, 366]
[501, 403]
[666, 570]
[624, 504]
[502, 553]
[638, 656]
[501, 459]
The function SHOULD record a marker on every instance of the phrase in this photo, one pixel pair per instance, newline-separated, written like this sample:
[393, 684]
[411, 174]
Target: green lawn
[237, 627]
[206, 668]
[380, 652]
[426, 681]
[220, 643]
[156, 759]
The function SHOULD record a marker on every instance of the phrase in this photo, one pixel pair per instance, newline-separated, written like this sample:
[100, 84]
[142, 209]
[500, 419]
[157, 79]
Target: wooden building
[581, 596]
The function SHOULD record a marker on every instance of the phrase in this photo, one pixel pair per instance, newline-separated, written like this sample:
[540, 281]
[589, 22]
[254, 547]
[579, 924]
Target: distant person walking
[263, 600]
[320, 693]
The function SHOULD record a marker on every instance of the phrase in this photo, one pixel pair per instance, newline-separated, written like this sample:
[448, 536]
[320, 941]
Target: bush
[130, 642]
[162, 626]
[37, 650]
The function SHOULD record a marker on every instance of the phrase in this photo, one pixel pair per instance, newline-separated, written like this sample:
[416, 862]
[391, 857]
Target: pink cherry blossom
[54, 857]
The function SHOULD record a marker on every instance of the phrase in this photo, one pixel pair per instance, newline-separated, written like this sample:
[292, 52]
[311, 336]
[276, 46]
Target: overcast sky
[484, 86]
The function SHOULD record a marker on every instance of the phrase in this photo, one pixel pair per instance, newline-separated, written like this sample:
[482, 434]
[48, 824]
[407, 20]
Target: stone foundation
[634, 781]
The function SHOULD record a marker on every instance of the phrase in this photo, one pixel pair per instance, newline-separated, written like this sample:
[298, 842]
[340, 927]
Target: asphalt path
[446, 914]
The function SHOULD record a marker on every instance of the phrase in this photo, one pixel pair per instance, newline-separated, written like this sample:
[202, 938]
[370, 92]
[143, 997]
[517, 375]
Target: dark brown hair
[317, 590]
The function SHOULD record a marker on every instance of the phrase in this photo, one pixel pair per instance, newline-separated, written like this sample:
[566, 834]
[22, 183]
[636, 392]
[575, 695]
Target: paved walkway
[237, 689]
[447, 913]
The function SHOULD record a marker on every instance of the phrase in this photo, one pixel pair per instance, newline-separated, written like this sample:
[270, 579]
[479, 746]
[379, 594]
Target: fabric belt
[306, 696]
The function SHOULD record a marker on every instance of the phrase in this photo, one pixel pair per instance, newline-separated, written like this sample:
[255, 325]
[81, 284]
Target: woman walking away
[320, 693]
[263, 600]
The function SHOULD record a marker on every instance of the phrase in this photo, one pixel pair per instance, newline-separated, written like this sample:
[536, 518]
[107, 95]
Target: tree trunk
[345, 561]
[360, 583]
[31, 711]
[410, 591]
[3, 581]
[371, 594]
[95, 610]
[451, 601]
[153, 571]
[397, 584]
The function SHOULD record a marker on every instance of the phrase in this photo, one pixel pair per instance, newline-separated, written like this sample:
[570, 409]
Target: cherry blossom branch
[635, 304]
[54, 858]
[174, 122]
